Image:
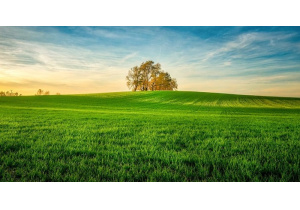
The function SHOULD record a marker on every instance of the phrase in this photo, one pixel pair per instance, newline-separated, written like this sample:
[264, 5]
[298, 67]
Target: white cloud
[227, 63]
[78, 64]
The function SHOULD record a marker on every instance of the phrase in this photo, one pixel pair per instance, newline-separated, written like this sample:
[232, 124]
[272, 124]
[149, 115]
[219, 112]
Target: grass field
[149, 136]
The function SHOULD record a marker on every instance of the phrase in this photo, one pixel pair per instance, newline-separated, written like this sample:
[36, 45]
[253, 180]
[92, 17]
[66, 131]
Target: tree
[145, 70]
[47, 92]
[39, 92]
[149, 76]
[11, 93]
[154, 74]
[165, 82]
[174, 84]
[134, 78]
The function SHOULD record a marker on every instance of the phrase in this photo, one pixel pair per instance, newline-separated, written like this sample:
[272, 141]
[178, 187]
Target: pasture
[150, 136]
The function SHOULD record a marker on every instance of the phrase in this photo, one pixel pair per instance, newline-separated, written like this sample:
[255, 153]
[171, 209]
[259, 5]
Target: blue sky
[241, 60]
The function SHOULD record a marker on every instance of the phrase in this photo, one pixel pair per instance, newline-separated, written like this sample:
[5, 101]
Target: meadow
[150, 136]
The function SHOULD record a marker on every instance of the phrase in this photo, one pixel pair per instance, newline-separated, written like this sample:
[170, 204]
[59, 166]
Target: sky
[70, 60]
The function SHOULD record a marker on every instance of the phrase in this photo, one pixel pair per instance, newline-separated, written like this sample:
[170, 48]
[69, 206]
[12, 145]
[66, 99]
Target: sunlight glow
[242, 60]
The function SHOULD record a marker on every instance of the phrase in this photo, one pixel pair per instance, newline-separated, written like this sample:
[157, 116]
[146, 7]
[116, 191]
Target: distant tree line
[41, 92]
[11, 93]
[149, 76]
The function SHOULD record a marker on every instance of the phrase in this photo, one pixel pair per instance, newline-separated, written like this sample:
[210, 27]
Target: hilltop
[157, 99]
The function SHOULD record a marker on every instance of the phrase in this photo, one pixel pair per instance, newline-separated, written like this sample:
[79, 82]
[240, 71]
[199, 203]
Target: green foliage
[150, 136]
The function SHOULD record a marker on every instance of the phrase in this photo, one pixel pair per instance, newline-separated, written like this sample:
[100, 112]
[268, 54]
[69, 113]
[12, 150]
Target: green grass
[149, 136]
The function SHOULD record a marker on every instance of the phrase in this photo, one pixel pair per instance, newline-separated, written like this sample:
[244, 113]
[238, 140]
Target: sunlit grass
[149, 136]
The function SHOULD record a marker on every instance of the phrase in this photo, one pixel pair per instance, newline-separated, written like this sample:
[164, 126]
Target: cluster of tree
[149, 76]
[11, 93]
[41, 92]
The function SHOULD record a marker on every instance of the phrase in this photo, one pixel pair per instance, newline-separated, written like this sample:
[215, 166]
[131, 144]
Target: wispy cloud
[97, 59]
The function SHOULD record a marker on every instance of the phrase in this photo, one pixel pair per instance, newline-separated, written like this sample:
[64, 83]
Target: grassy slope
[150, 136]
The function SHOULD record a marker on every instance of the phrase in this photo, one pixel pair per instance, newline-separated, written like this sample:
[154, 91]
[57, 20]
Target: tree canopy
[150, 76]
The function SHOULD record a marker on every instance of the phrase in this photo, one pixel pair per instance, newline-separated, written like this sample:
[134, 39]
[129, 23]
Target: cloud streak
[244, 60]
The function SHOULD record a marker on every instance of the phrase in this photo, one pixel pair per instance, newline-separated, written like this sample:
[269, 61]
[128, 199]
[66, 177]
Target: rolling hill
[150, 136]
